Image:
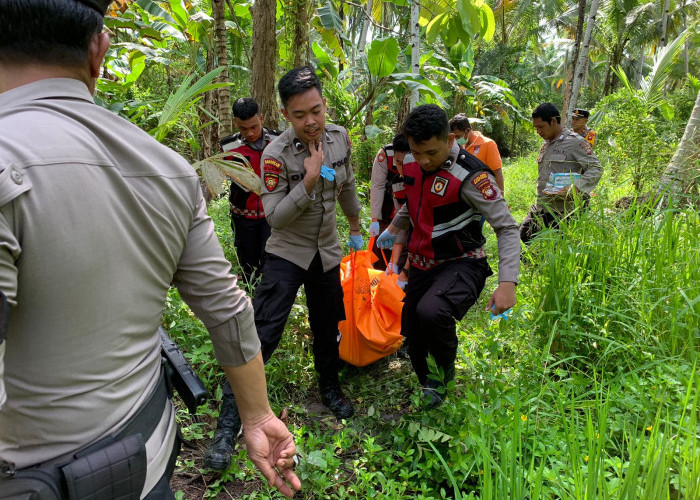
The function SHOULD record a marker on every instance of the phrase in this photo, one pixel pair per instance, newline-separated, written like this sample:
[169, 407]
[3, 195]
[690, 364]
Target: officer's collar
[298, 146]
[454, 152]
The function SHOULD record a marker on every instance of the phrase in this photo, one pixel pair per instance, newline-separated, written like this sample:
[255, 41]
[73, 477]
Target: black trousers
[249, 238]
[537, 219]
[274, 298]
[435, 300]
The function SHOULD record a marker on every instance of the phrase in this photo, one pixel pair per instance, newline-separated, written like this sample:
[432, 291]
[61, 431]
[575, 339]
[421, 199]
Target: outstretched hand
[502, 299]
[272, 450]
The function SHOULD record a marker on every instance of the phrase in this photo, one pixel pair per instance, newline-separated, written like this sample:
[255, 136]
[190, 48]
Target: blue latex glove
[327, 173]
[391, 268]
[374, 229]
[402, 284]
[356, 242]
[386, 239]
[504, 315]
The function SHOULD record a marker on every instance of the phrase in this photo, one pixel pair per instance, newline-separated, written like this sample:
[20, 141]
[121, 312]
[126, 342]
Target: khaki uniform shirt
[380, 171]
[97, 219]
[305, 224]
[567, 153]
[495, 211]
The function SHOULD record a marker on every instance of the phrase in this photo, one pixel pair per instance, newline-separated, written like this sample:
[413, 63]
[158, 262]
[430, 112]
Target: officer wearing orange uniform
[479, 145]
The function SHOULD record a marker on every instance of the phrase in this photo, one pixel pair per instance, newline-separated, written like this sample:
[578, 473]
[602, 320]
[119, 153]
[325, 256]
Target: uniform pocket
[463, 288]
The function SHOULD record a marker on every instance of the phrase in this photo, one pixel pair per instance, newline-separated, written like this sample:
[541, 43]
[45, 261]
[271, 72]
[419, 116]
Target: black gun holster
[114, 467]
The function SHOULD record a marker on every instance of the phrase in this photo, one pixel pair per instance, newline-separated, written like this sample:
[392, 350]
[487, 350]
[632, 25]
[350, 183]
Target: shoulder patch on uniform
[586, 146]
[381, 156]
[439, 186]
[272, 165]
[271, 180]
[483, 184]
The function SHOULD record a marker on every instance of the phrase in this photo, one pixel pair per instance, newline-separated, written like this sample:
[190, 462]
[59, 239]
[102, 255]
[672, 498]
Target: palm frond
[653, 84]
[216, 170]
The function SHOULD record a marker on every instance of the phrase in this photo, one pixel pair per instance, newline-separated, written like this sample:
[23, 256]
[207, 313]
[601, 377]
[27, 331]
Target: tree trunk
[210, 134]
[683, 171]
[686, 60]
[403, 111]
[640, 67]
[610, 77]
[264, 46]
[300, 45]
[577, 48]
[582, 62]
[664, 24]
[363, 34]
[224, 93]
[415, 47]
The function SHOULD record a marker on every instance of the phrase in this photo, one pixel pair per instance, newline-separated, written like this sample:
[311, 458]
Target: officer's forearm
[354, 223]
[250, 388]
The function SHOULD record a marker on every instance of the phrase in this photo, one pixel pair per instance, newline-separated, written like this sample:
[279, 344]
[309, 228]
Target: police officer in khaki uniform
[563, 152]
[447, 193]
[97, 219]
[579, 124]
[306, 170]
[386, 190]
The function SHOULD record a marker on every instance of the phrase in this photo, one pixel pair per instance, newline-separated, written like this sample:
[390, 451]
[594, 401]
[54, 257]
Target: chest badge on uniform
[439, 186]
[483, 184]
[271, 180]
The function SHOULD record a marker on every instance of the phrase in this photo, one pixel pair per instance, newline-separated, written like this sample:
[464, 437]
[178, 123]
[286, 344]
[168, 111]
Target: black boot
[332, 396]
[432, 397]
[403, 350]
[228, 426]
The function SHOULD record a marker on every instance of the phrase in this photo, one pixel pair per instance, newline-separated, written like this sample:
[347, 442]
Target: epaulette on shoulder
[471, 163]
[13, 182]
[273, 132]
[231, 142]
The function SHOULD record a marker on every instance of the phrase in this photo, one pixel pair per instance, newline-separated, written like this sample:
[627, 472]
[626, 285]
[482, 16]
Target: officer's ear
[284, 113]
[262, 119]
[450, 139]
[96, 53]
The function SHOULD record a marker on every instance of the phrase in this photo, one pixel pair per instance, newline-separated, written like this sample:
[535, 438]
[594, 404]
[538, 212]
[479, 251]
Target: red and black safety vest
[444, 226]
[243, 202]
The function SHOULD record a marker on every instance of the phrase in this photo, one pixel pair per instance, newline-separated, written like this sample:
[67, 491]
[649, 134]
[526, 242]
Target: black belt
[88, 471]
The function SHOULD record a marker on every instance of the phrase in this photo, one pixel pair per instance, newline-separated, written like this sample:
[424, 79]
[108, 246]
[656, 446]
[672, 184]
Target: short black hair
[298, 81]
[425, 122]
[245, 108]
[460, 122]
[400, 144]
[47, 31]
[546, 111]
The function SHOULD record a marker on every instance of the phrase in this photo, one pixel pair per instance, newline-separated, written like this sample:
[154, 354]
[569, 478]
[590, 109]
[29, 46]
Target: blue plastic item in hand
[504, 315]
[327, 173]
[374, 229]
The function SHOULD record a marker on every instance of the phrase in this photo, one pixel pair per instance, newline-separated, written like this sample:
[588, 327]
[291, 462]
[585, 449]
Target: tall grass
[611, 286]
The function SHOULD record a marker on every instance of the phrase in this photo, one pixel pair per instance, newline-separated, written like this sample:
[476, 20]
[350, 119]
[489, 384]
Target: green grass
[590, 390]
